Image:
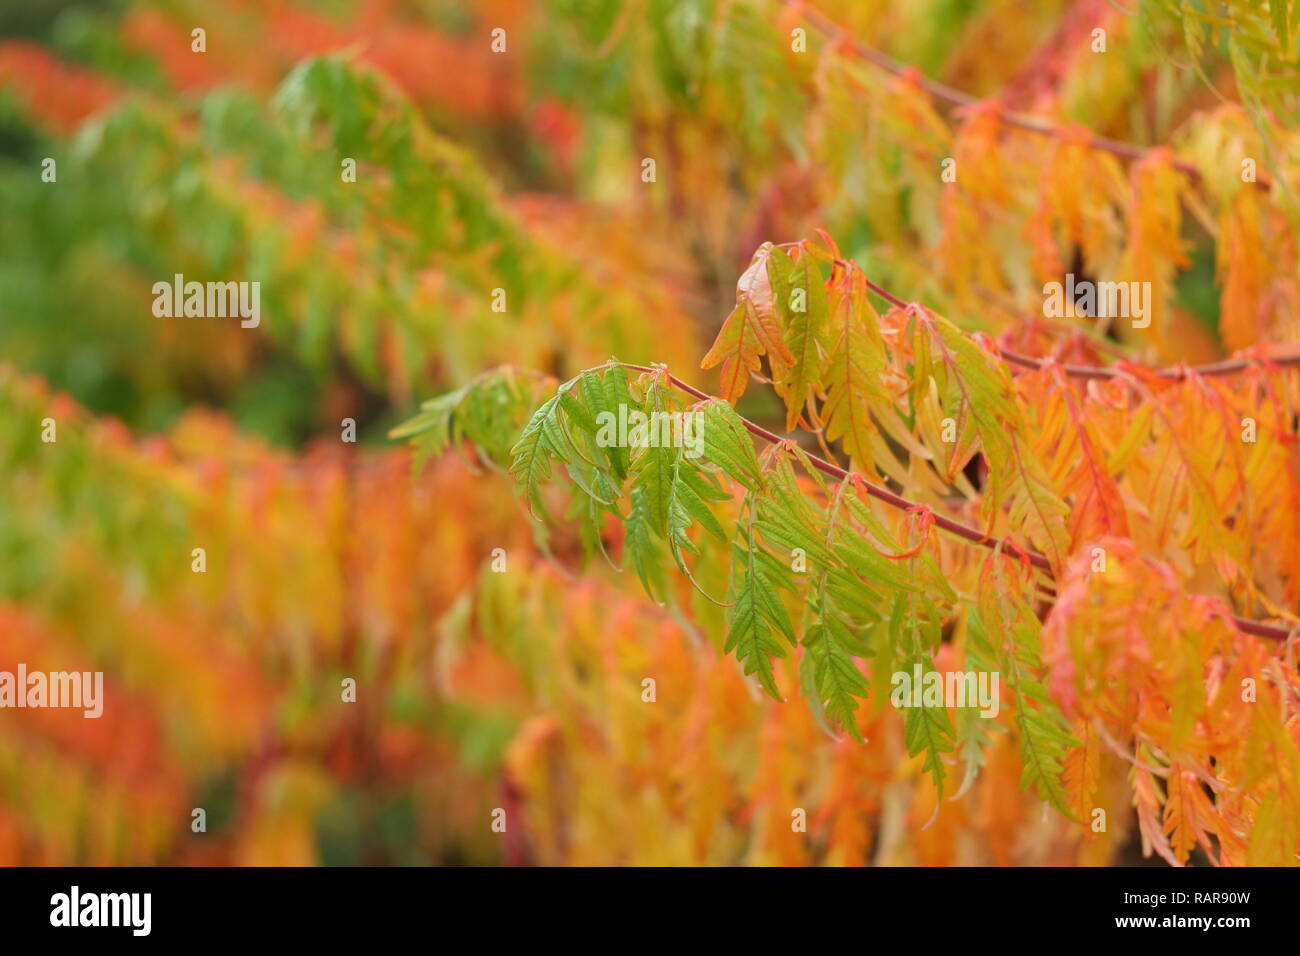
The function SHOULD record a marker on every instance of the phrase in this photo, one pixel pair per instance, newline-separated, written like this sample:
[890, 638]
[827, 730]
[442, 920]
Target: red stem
[898, 501]
[835, 471]
[1225, 367]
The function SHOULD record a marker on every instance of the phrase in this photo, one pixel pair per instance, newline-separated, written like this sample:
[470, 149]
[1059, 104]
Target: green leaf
[531, 455]
[653, 471]
[728, 445]
[753, 617]
[928, 730]
[688, 497]
[914, 637]
[800, 294]
[787, 520]
[838, 683]
[854, 370]
[1004, 603]
[641, 545]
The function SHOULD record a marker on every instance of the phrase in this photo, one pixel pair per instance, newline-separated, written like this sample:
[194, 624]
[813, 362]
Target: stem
[1225, 367]
[965, 532]
[835, 471]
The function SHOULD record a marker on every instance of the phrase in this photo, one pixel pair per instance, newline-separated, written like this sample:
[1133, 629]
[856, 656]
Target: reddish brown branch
[835, 471]
[965, 532]
[1225, 367]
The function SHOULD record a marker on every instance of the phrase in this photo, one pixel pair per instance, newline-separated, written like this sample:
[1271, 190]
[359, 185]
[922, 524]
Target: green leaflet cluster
[1005, 633]
[811, 564]
[486, 412]
[665, 488]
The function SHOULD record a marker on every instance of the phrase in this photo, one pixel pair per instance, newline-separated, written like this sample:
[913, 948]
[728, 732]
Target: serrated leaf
[749, 332]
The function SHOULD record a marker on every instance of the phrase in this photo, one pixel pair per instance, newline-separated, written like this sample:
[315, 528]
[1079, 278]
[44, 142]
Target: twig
[1035, 558]
[835, 471]
[1225, 367]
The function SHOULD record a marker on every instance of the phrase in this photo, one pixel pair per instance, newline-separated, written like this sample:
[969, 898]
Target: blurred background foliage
[475, 171]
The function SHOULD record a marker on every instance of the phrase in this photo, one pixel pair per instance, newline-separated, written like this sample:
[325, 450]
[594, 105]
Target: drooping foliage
[905, 465]
[1060, 483]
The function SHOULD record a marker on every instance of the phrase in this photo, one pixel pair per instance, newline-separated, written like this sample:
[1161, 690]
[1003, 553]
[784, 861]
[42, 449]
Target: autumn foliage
[826, 231]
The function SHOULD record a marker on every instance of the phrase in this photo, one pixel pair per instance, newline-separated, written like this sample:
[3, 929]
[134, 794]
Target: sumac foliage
[814, 237]
[1103, 512]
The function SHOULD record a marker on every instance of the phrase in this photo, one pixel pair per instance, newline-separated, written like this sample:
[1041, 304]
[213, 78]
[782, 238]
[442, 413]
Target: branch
[965, 532]
[1225, 367]
[835, 471]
